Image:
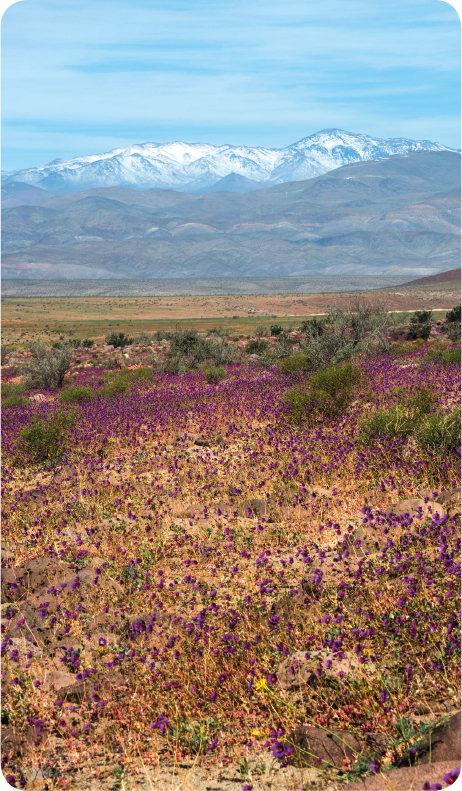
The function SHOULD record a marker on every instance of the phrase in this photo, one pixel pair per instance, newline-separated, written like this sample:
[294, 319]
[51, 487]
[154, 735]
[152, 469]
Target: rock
[38, 397]
[445, 744]
[332, 747]
[409, 778]
[203, 443]
[256, 506]
[302, 668]
[450, 499]
[65, 473]
[411, 507]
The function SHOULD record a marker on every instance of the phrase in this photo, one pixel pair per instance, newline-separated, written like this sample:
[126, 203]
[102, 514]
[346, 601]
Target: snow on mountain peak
[193, 167]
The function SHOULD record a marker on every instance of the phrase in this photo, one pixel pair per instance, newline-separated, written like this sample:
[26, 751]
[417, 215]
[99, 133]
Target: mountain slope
[197, 167]
[399, 215]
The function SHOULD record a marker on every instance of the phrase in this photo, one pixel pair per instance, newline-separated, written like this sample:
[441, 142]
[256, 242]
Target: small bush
[394, 423]
[141, 373]
[48, 368]
[276, 329]
[440, 433]
[5, 353]
[256, 347]
[336, 380]
[422, 401]
[445, 356]
[119, 340]
[313, 327]
[76, 394]
[15, 400]
[116, 385]
[262, 331]
[453, 332]
[296, 363]
[330, 392]
[213, 374]
[87, 343]
[454, 314]
[421, 317]
[418, 331]
[8, 390]
[45, 440]
[298, 400]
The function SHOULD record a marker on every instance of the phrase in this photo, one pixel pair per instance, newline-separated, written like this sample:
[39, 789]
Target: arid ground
[27, 319]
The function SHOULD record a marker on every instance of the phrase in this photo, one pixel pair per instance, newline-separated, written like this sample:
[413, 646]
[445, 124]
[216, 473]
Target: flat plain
[27, 318]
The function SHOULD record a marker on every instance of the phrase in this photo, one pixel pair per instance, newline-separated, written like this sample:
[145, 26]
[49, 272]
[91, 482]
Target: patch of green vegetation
[76, 394]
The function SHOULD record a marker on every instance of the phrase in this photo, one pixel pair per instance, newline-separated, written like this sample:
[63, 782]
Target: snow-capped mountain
[197, 167]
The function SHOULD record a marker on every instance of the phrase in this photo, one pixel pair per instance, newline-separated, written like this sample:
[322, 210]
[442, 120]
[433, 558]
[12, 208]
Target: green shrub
[47, 368]
[418, 330]
[5, 353]
[256, 347]
[454, 332]
[299, 402]
[87, 343]
[116, 386]
[336, 380]
[330, 392]
[422, 401]
[45, 440]
[296, 363]
[15, 400]
[445, 356]
[276, 329]
[313, 327]
[141, 373]
[454, 314]
[119, 340]
[9, 389]
[394, 423]
[421, 317]
[76, 394]
[214, 374]
[440, 433]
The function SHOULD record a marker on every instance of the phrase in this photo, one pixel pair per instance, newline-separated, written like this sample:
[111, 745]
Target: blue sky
[86, 76]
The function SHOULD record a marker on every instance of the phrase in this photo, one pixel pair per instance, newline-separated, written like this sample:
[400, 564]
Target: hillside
[394, 216]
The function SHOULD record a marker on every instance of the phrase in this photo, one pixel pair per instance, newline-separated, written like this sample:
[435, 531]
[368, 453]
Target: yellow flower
[256, 732]
[261, 686]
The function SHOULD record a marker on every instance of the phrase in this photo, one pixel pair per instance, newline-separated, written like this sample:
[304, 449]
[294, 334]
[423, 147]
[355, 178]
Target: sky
[85, 76]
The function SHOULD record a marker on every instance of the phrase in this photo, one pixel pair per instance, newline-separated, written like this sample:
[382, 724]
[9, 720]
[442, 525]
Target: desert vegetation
[233, 561]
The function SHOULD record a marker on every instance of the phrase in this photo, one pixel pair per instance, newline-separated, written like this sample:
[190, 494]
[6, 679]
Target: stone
[412, 506]
[409, 778]
[323, 748]
[445, 744]
[300, 669]
[450, 499]
[258, 507]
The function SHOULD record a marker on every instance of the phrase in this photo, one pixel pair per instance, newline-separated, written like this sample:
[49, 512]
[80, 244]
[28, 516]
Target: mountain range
[200, 167]
[394, 216]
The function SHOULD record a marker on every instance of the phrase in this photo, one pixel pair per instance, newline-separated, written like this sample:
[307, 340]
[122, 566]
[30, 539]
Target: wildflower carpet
[213, 582]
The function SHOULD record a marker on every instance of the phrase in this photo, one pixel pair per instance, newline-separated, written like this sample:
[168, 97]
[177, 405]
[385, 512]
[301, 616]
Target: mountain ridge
[197, 167]
[398, 215]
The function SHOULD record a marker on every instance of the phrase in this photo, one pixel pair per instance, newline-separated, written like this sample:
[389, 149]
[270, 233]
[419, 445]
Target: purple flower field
[192, 571]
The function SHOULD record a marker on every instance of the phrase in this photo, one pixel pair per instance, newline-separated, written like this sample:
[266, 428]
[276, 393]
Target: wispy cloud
[80, 77]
